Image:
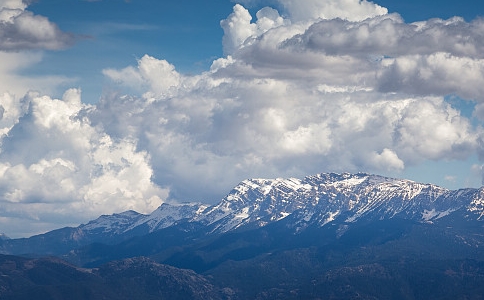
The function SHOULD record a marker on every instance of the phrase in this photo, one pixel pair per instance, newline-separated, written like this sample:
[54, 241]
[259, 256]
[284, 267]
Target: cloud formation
[323, 86]
[331, 9]
[53, 161]
[343, 93]
[20, 29]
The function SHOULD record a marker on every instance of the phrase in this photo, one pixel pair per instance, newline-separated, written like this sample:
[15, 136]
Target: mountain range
[324, 236]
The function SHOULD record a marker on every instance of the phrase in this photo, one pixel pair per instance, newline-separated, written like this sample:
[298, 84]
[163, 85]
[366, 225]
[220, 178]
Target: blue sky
[113, 105]
[186, 33]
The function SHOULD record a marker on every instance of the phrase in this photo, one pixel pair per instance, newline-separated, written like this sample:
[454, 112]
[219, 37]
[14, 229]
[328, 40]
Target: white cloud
[432, 129]
[311, 10]
[295, 95]
[438, 73]
[387, 160]
[156, 76]
[15, 81]
[436, 57]
[53, 157]
[283, 104]
[23, 36]
[353, 10]
[22, 30]
[388, 35]
[239, 127]
[11, 110]
[238, 27]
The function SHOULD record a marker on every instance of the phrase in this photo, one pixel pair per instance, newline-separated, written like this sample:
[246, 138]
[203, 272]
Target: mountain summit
[322, 198]
[314, 201]
[326, 236]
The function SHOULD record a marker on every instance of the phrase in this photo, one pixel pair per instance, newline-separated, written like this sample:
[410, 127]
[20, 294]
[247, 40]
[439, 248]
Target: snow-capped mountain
[108, 229]
[316, 200]
[167, 215]
[325, 210]
[108, 224]
[270, 238]
[164, 216]
[322, 198]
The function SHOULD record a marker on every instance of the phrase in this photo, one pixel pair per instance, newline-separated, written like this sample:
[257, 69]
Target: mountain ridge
[325, 236]
[314, 200]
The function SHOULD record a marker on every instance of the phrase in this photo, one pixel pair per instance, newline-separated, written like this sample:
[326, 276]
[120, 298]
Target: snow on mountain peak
[115, 223]
[321, 198]
[318, 199]
[168, 214]
[477, 204]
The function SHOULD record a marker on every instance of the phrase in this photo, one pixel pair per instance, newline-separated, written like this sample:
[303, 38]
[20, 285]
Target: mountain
[136, 278]
[317, 200]
[326, 236]
[322, 198]
[108, 229]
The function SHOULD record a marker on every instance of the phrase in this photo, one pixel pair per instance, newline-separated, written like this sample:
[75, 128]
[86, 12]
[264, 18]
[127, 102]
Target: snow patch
[308, 216]
[244, 214]
[283, 215]
[351, 181]
[266, 189]
[331, 217]
[429, 215]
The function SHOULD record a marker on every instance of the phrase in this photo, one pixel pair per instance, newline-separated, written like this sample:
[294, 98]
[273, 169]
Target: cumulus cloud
[438, 73]
[353, 10]
[241, 127]
[388, 35]
[387, 159]
[54, 160]
[23, 37]
[20, 29]
[323, 86]
[309, 10]
[153, 75]
[351, 88]
[16, 82]
[238, 27]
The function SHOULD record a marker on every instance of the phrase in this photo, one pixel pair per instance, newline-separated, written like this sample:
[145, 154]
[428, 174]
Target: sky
[113, 105]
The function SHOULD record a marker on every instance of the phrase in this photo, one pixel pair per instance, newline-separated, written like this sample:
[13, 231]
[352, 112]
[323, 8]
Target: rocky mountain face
[336, 236]
[323, 198]
[108, 229]
[136, 278]
[316, 200]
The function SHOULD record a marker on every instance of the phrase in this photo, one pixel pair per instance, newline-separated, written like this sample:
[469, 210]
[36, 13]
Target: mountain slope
[322, 198]
[107, 229]
[318, 200]
[137, 278]
[329, 236]
[261, 215]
